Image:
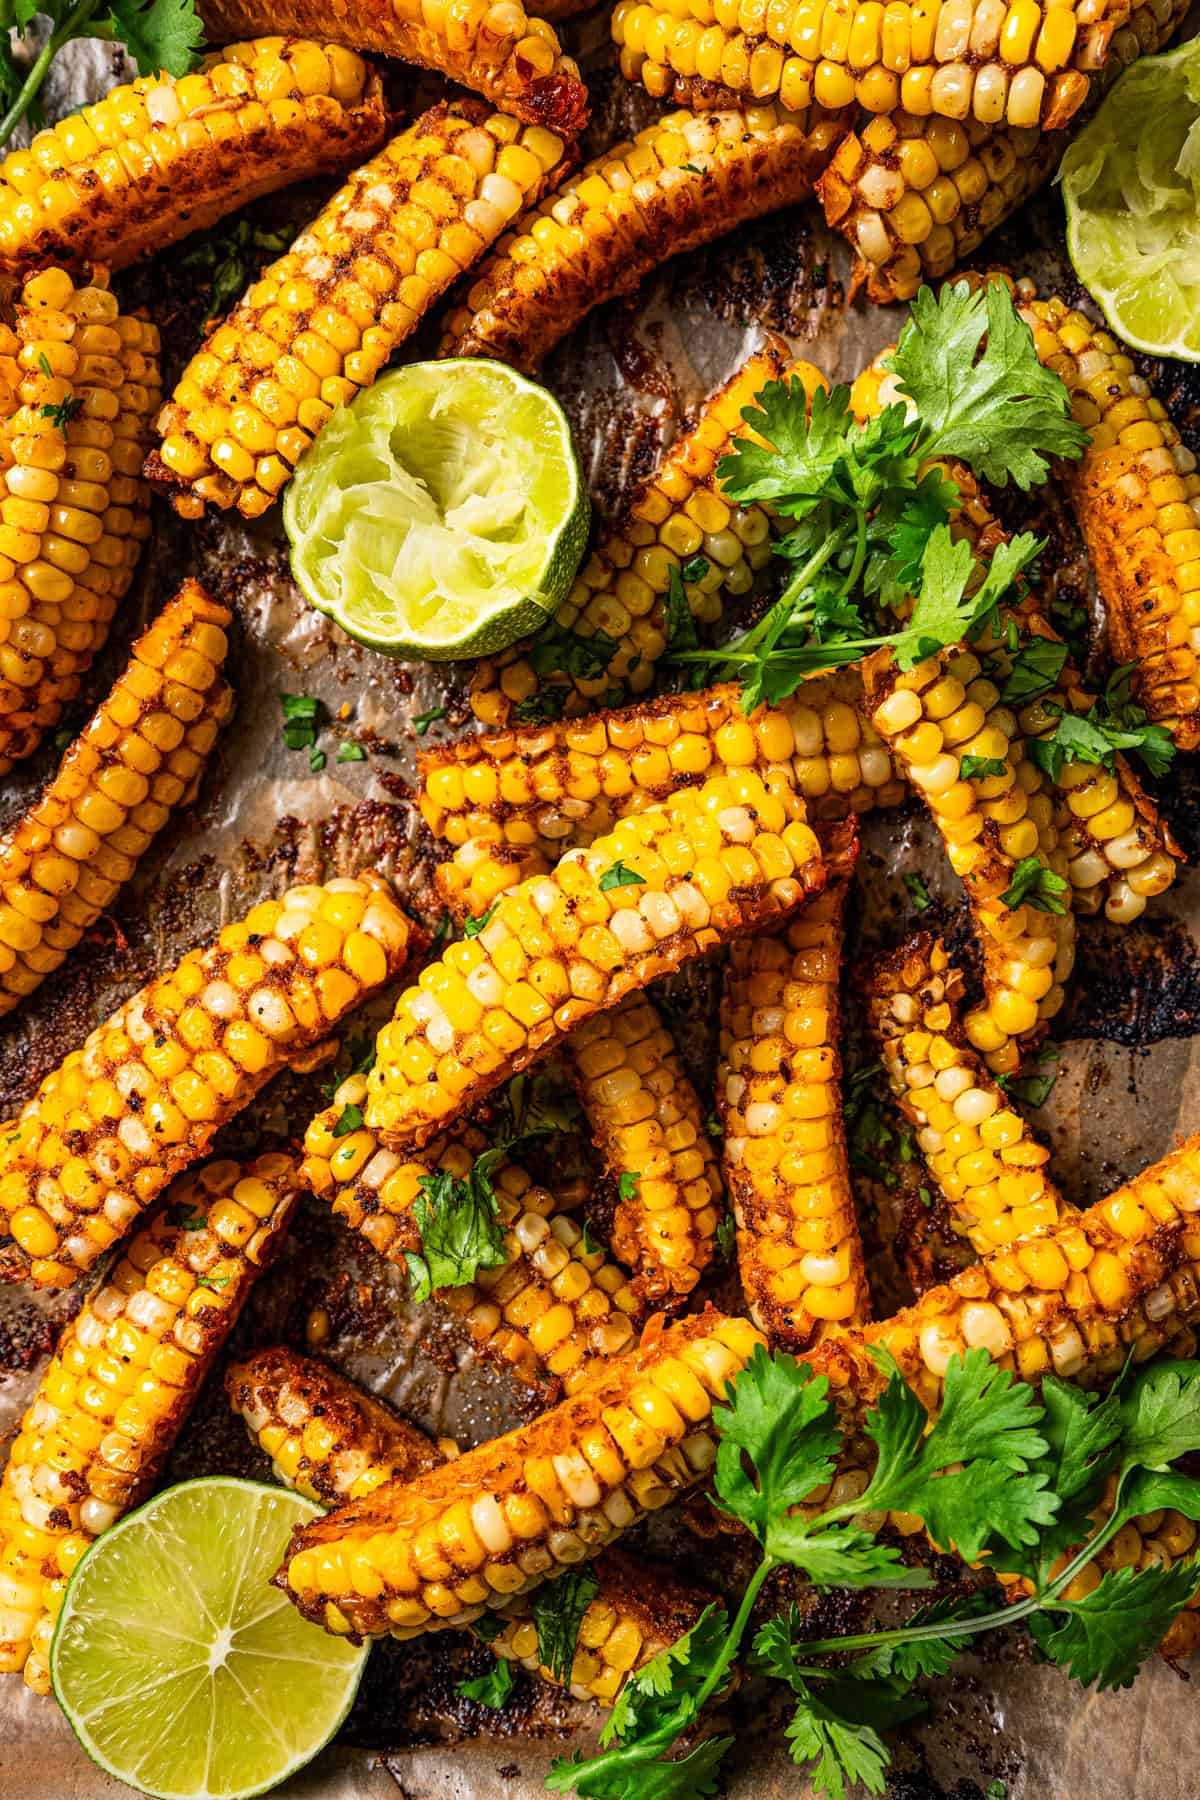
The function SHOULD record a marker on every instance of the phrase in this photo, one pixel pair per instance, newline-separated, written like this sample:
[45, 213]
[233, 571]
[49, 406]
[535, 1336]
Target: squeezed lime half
[442, 514]
[179, 1668]
[1131, 181]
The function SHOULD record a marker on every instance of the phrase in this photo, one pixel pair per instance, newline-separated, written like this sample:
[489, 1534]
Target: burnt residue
[1133, 984]
[776, 273]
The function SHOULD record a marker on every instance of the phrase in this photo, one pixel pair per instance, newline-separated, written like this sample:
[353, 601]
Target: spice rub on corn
[150, 1088]
[162, 157]
[664, 886]
[322, 321]
[138, 759]
[120, 1384]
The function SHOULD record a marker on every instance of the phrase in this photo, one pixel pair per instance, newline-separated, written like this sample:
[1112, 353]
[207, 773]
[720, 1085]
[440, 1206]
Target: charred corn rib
[976, 1146]
[1021, 64]
[1136, 492]
[320, 323]
[1118, 852]
[163, 157]
[913, 195]
[150, 1088]
[646, 1121]
[525, 1507]
[513, 60]
[74, 512]
[140, 757]
[331, 1441]
[680, 183]
[661, 888]
[678, 526]
[800, 1257]
[554, 1311]
[120, 1384]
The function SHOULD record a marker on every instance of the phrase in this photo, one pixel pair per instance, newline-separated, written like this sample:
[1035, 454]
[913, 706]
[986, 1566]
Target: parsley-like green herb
[1035, 670]
[1032, 1090]
[680, 622]
[627, 1185]
[544, 707]
[349, 1119]
[713, 1126]
[491, 1689]
[228, 258]
[303, 716]
[473, 927]
[60, 416]
[423, 720]
[316, 760]
[1114, 722]
[591, 1245]
[696, 568]
[619, 876]
[1033, 884]
[726, 1236]
[918, 893]
[983, 768]
[212, 1281]
[557, 651]
[558, 1610]
[351, 752]
[459, 1224]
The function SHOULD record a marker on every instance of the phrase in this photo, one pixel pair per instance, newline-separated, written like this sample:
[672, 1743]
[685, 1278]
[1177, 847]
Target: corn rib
[498, 50]
[646, 1121]
[321, 322]
[163, 157]
[681, 183]
[145, 1095]
[785, 1162]
[139, 758]
[661, 888]
[552, 1314]
[527, 1506]
[121, 1382]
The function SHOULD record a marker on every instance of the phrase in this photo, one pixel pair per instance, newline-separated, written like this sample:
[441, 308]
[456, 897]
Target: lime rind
[1131, 183]
[442, 513]
[173, 1649]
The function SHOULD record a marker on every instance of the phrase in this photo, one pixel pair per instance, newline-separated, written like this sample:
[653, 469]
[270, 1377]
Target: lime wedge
[1131, 181]
[180, 1670]
[442, 513]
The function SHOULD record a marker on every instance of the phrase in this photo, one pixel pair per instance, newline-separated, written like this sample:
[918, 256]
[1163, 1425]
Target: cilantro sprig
[1000, 1474]
[1113, 722]
[870, 520]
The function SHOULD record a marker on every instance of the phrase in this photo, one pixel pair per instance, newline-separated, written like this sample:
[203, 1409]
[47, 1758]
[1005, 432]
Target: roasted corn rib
[119, 1386]
[145, 1095]
[976, 1146]
[514, 60]
[679, 526]
[527, 1506]
[331, 1441]
[785, 1162]
[683, 181]
[554, 1312]
[661, 888]
[163, 157]
[74, 512]
[1023, 64]
[139, 758]
[1136, 492]
[646, 1120]
[320, 323]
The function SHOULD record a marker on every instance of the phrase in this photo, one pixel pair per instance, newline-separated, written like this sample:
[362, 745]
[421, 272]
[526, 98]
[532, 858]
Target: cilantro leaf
[917, 892]
[898, 534]
[423, 720]
[625, 1773]
[781, 1418]
[558, 1609]
[627, 1185]
[491, 1689]
[350, 752]
[923, 1655]
[681, 625]
[669, 1681]
[726, 1236]
[349, 1119]
[1105, 1638]
[942, 613]
[1031, 1089]
[618, 876]
[557, 651]
[303, 715]
[992, 404]
[543, 707]
[459, 1223]
[801, 450]
[1081, 1433]
[1160, 1415]
[983, 768]
[840, 1750]
[163, 34]
[473, 927]
[1033, 884]
[1035, 670]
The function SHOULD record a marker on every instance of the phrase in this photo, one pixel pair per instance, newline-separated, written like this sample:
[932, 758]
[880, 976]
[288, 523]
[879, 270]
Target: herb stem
[70, 27]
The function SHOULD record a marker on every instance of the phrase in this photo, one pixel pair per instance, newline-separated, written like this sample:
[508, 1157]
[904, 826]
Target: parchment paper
[630, 378]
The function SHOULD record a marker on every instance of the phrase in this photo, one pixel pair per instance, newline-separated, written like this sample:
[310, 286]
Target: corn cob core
[680, 183]
[141, 755]
[513, 60]
[1021, 64]
[943, 709]
[162, 157]
[663, 887]
[150, 1088]
[525, 1507]
[679, 519]
[120, 1384]
[784, 1157]
[645, 1119]
[976, 1146]
[555, 1311]
[549, 786]
[1136, 492]
[73, 511]
[320, 323]
[333, 1442]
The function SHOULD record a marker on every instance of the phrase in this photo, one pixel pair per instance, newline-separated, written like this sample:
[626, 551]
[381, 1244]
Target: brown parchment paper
[1128, 1075]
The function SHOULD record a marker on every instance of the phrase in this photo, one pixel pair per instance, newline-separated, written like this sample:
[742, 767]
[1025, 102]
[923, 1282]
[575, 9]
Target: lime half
[442, 513]
[180, 1670]
[1131, 180]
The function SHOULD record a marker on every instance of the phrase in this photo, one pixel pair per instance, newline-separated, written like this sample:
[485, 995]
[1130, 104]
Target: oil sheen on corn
[1131, 181]
[442, 514]
[180, 1669]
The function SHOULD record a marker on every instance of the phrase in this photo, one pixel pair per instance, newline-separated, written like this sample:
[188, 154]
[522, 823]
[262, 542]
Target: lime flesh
[442, 513]
[1131, 182]
[180, 1670]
